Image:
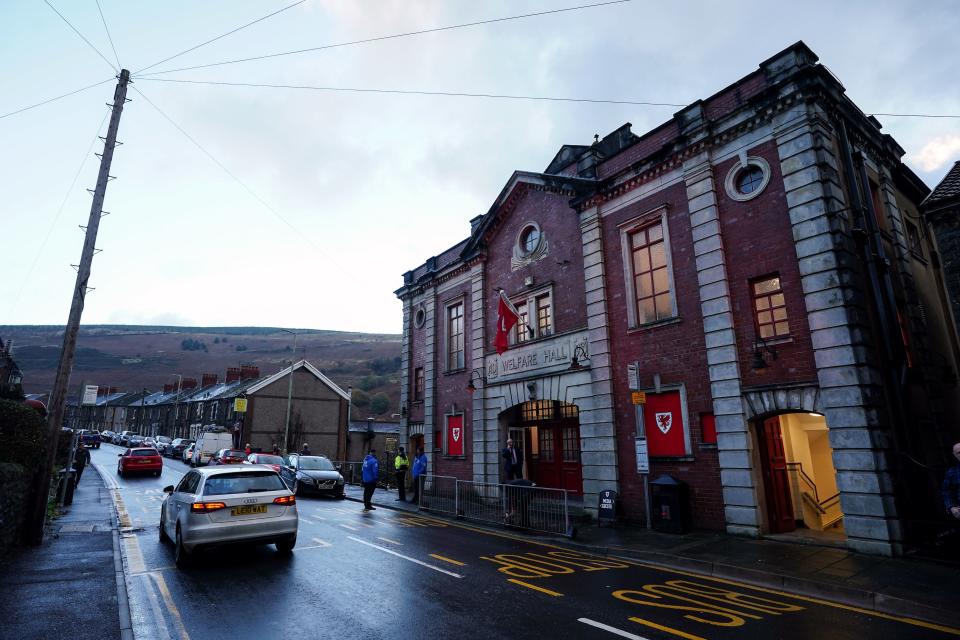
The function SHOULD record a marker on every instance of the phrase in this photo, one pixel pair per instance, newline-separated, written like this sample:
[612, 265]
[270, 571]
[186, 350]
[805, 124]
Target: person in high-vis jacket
[401, 464]
[371, 473]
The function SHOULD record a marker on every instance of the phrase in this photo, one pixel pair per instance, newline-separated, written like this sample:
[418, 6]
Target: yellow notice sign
[638, 397]
[240, 405]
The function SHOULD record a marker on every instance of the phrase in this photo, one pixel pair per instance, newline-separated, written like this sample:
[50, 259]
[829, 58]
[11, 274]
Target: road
[386, 574]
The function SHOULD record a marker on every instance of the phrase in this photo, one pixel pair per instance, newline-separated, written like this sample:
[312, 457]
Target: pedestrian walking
[80, 461]
[305, 450]
[236, 435]
[247, 450]
[401, 464]
[371, 473]
[419, 469]
[276, 449]
[513, 461]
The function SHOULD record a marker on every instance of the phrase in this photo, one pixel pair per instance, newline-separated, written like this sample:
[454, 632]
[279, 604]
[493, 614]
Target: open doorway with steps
[800, 481]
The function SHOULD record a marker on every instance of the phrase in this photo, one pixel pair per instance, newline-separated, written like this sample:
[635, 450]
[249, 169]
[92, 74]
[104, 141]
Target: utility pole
[55, 417]
[286, 428]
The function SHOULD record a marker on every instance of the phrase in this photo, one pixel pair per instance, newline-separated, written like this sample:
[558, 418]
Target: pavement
[68, 586]
[913, 587]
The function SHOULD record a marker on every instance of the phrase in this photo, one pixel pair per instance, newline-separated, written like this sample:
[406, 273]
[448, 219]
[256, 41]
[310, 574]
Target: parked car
[272, 461]
[124, 438]
[90, 438]
[107, 435]
[224, 505]
[135, 440]
[139, 460]
[176, 447]
[208, 444]
[228, 456]
[314, 474]
[162, 442]
[188, 453]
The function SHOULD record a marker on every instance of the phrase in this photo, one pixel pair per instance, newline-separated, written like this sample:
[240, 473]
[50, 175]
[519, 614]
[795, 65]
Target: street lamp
[286, 428]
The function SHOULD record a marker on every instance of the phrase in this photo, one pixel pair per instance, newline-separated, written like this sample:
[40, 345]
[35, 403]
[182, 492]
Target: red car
[140, 460]
[228, 456]
[265, 458]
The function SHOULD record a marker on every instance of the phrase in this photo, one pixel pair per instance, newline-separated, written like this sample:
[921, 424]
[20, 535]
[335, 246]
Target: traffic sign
[638, 397]
[643, 456]
[90, 394]
[240, 405]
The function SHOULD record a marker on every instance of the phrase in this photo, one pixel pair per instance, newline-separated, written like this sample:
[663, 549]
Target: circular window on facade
[529, 238]
[419, 317]
[746, 181]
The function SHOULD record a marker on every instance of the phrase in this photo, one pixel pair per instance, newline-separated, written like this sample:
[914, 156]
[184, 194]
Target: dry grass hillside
[135, 357]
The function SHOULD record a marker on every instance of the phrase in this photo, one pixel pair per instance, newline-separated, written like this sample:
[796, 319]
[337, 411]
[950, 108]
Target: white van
[208, 444]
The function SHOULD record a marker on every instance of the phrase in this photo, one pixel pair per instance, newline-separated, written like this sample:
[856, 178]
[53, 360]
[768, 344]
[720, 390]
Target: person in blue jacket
[371, 473]
[419, 469]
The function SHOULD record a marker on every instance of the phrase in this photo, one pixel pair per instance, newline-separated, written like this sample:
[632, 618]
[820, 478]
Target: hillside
[132, 357]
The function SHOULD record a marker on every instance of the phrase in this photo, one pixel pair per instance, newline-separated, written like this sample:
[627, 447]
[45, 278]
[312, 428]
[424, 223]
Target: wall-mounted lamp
[759, 346]
[579, 353]
[476, 374]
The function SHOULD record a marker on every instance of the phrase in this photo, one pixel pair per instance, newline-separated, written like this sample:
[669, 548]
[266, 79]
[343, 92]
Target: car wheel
[341, 495]
[296, 488]
[164, 538]
[157, 473]
[120, 471]
[286, 545]
[180, 555]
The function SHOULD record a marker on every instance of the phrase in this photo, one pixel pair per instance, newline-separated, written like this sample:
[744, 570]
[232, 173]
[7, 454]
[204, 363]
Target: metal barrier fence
[521, 507]
[438, 494]
[352, 473]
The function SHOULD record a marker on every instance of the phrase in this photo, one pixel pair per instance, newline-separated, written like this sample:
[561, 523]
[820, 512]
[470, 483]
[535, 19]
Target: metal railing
[352, 473]
[522, 507]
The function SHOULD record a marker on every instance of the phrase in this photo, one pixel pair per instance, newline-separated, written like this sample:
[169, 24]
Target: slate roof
[948, 189]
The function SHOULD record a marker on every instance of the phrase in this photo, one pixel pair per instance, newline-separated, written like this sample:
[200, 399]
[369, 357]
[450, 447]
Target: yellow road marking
[534, 587]
[676, 632]
[440, 557]
[171, 606]
[911, 621]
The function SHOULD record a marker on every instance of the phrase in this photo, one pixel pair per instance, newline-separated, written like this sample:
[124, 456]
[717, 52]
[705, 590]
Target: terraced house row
[758, 267]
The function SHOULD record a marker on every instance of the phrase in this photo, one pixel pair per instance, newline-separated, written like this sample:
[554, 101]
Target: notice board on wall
[455, 435]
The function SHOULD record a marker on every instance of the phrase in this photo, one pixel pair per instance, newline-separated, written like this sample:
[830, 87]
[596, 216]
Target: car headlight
[339, 479]
[306, 479]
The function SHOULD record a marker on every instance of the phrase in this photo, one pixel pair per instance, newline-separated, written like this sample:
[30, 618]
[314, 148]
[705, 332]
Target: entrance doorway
[551, 444]
[800, 481]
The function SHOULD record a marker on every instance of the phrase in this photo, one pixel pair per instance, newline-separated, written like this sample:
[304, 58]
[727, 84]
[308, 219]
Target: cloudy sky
[338, 193]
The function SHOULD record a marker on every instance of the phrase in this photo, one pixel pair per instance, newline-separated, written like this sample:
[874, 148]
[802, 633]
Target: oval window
[419, 317]
[749, 179]
[530, 239]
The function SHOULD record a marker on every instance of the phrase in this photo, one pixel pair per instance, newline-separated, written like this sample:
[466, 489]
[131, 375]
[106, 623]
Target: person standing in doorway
[371, 473]
[401, 464]
[513, 461]
[419, 470]
[80, 461]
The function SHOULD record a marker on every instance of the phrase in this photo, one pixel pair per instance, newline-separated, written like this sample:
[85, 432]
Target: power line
[499, 96]
[65, 95]
[56, 218]
[242, 183]
[202, 44]
[109, 37]
[395, 36]
[82, 37]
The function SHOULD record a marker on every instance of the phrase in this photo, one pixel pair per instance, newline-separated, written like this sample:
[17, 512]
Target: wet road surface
[385, 574]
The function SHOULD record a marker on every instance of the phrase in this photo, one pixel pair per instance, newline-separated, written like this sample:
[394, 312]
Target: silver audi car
[214, 506]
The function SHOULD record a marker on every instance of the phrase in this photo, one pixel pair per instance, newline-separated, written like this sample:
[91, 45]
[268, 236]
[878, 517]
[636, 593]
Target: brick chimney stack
[189, 383]
[168, 388]
[102, 391]
[208, 379]
[233, 374]
[113, 390]
[248, 371]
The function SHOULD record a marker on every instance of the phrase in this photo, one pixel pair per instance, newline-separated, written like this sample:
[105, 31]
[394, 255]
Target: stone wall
[14, 491]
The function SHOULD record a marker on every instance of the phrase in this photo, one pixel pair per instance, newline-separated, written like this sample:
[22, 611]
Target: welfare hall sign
[541, 357]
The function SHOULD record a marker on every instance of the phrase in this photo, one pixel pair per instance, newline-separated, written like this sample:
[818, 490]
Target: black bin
[670, 505]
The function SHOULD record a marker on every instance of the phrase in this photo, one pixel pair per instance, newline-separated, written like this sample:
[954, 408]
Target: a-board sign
[607, 507]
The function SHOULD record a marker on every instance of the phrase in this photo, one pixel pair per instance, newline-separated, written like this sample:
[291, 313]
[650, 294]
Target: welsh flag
[507, 316]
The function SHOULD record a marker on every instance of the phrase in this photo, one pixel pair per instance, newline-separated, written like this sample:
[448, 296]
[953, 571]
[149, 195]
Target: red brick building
[757, 266]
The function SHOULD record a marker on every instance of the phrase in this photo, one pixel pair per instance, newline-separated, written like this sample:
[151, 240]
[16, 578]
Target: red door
[557, 463]
[776, 478]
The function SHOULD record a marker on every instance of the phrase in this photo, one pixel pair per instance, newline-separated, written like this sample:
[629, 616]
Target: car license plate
[249, 509]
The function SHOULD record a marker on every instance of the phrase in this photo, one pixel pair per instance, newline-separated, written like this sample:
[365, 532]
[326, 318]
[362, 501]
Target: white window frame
[529, 298]
[462, 300]
[626, 230]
